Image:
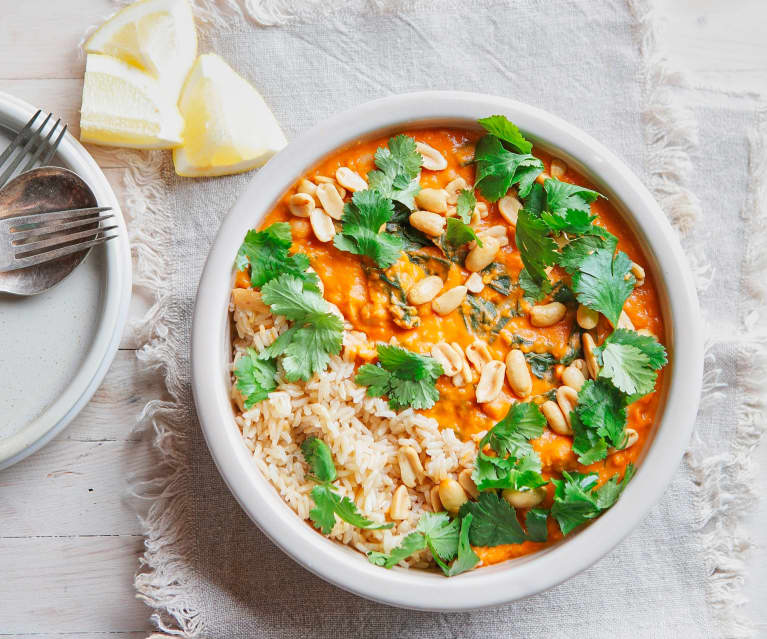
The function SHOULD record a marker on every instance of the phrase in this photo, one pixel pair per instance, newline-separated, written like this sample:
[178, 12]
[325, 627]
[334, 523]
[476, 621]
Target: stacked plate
[56, 347]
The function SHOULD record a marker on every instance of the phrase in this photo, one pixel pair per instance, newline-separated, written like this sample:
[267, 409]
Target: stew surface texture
[478, 287]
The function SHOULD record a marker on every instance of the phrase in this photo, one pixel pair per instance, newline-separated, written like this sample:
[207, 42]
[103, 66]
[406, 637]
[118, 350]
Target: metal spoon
[48, 188]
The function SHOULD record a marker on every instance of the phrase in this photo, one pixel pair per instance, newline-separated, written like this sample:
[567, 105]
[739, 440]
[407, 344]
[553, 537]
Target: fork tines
[41, 237]
[33, 144]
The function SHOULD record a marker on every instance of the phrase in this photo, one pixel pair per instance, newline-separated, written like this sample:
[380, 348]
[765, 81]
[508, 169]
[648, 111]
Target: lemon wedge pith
[156, 36]
[228, 126]
[123, 106]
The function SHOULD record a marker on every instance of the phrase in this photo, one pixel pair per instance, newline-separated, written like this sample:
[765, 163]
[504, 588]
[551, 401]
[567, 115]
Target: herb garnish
[327, 502]
[515, 464]
[465, 205]
[362, 219]
[458, 233]
[576, 498]
[255, 378]
[399, 169]
[406, 378]
[316, 334]
[267, 254]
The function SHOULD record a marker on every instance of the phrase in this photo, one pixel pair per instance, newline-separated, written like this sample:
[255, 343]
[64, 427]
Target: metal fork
[31, 145]
[26, 240]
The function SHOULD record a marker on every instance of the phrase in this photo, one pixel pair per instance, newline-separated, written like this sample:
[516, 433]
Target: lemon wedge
[156, 36]
[228, 127]
[123, 106]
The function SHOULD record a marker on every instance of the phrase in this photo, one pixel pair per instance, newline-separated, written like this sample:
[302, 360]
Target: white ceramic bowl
[501, 583]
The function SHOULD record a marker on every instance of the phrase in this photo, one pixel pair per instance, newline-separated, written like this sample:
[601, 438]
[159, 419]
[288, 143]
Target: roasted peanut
[322, 225]
[453, 188]
[306, 186]
[558, 168]
[430, 223]
[451, 362]
[410, 468]
[544, 315]
[301, 204]
[580, 364]
[480, 256]
[631, 437]
[330, 200]
[474, 283]
[638, 272]
[518, 373]
[573, 377]
[434, 200]
[322, 179]
[508, 207]
[567, 398]
[478, 354]
[452, 495]
[481, 209]
[588, 352]
[467, 483]
[350, 179]
[425, 290]
[490, 382]
[433, 160]
[624, 321]
[400, 504]
[524, 498]
[449, 300]
[555, 418]
[586, 318]
[434, 500]
[247, 299]
[498, 232]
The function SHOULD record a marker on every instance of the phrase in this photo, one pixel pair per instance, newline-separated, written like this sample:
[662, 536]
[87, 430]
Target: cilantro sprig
[255, 378]
[316, 334]
[499, 168]
[515, 465]
[406, 378]
[267, 254]
[398, 170]
[577, 499]
[362, 220]
[328, 504]
[446, 539]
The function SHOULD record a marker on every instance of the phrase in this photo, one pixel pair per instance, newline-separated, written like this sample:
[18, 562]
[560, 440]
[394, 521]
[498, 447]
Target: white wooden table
[69, 542]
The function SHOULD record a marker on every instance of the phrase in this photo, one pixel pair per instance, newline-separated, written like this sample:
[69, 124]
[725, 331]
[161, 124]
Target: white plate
[56, 347]
[500, 583]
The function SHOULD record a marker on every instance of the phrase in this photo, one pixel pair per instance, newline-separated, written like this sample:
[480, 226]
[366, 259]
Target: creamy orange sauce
[364, 300]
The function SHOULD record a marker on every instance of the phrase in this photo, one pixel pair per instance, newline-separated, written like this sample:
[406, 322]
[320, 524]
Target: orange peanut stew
[508, 302]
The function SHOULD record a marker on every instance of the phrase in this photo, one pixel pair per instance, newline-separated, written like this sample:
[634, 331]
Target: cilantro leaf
[578, 249]
[536, 248]
[588, 444]
[465, 205]
[647, 344]
[494, 521]
[573, 221]
[399, 166]
[501, 127]
[317, 454]
[561, 196]
[362, 219]
[535, 522]
[511, 435]
[327, 503]
[534, 291]
[498, 169]
[267, 254]
[441, 534]
[467, 558]
[316, 333]
[255, 378]
[576, 498]
[631, 360]
[459, 233]
[407, 378]
[414, 542]
[535, 202]
[602, 407]
[516, 465]
[323, 514]
[604, 283]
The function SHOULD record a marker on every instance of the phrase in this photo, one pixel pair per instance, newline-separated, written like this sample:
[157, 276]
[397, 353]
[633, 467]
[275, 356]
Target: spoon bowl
[44, 189]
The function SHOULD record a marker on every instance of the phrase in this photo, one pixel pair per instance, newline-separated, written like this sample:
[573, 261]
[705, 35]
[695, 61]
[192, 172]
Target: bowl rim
[492, 585]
